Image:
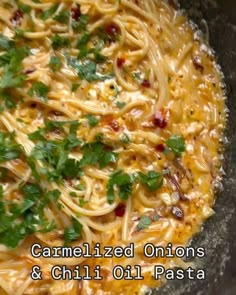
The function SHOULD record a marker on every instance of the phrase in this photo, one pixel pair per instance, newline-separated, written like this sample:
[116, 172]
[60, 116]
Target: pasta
[111, 120]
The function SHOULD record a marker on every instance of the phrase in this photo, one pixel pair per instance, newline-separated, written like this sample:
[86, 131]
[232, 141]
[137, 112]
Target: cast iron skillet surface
[219, 233]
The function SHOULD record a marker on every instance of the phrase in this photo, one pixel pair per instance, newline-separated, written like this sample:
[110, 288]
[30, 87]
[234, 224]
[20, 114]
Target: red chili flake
[120, 62]
[120, 210]
[160, 147]
[75, 13]
[16, 18]
[177, 212]
[112, 31]
[146, 83]
[115, 125]
[110, 121]
[159, 119]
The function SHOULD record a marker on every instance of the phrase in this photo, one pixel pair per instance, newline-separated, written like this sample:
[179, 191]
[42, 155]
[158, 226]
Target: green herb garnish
[25, 218]
[87, 70]
[58, 42]
[97, 153]
[55, 63]
[49, 12]
[144, 222]
[55, 154]
[12, 76]
[73, 232]
[75, 86]
[93, 121]
[80, 25]
[9, 150]
[82, 45]
[5, 43]
[24, 8]
[39, 89]
[153, 180]
[120, 104]
[123, 182]
[176, 144]
[125, 138]
[63, 16]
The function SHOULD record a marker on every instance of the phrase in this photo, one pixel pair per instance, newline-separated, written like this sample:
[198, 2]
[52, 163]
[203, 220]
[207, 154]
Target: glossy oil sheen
[219, 233]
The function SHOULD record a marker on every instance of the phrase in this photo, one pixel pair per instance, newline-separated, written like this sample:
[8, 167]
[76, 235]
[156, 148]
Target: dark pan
[219, 233]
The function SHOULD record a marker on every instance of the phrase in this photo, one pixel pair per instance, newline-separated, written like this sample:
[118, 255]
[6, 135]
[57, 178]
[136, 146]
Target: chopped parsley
[82, 202]
[98, 57]
[93, 121]
[99, 136]
[58, 42]
[123, 182]
[49, 12]
[55, 154]
[26, 217]
[82, 45]
[138, 76]
[120, 104]
[3, 174]
[37, 135]
[9, 150]
[5, 43]
[9, 102]
[63, 16]
[55, 63]
[11, 60]
[109, 33]
[39, 89]
[125, 138]
[71, 168]
[175, 144]
[80, 25]
[153, 180]
[24, 8]
[19, 33]
[73, 194]
[75, 86]
[79, 187]
[73, 232]
[144, 222]
[97, 153]
[85, 48]
[87, 70]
